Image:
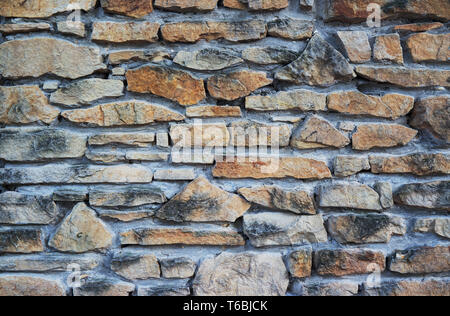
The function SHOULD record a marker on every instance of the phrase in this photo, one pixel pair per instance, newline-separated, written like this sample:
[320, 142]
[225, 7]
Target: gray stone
[302, 100]
[269, 55]
[126, 196]
[50, 262]
[165, 288]
[135, 266]
[439, 226]
[177, 268]
[353, 196]
[101, 285]
[23, 240]
[431, 195]
[244, 274]
[291, 29]
[70, 195]
[384, 189]
[277, 229]
[21, 209]
[345, 166]
[174, 174]
[207, 59]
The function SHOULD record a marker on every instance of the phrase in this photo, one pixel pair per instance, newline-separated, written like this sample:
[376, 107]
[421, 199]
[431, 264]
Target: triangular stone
[319, 65]
[81, 231]
[318, 133]
[201, 201]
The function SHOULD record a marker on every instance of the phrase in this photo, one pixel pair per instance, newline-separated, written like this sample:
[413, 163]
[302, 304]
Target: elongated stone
[278, 229]
[411, 288]
[390, 106]
[433, 115]
[186, 5]
[126, 196]
[123, 113]
[136, 267]
[40, 144]
[34, 57]
[299, 202]
[42, 9]
[174, 174]
[155, 236]
[291, 29]
[130, 139]
[123, 32]
[24, 28]
[22, 285]
[25, 104]
[21, 209]
[21, 240]
[152, 55]
[421, 260]
[429, 47]
[345, 166]
[207, 59]
[418, 27]
[439, 226]
[382, 136]
[76, 28]
[201, 201]
[48, 263]
[213, 111]
[165, 288]
[431, 195]
[253, 134]
[200, 135]
[132, 8]
[85, 92]
[303, 100]
[95, 284]
[243, 274]
[63, 173]
[81, 231]
[269, 55]
[356, 196]
[420, 164]
[177, 268]
[175, 85]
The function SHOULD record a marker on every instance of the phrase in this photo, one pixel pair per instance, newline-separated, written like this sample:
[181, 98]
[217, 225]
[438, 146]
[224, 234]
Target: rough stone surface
[101, 285]
[340, 288]
[390, 106]
[419, 164]
[431, 195]
[177, 268]
[47, 263]
[388, 48]
[127, 196]
[132, 8]
[300, 263]
[433, 115]
[345, 166]
[24, 28]
[355, 196]
[236, 85]
[364, 229]
[439, 226]
[429, 47]
[419, 27]
[42, 9]
[85, 92]
[25, 104]
[382, 135]
[384, 189]
[252, 133]
[207, 59]
[123, 32]
[21, 285]
[175, 85]
[277, 229]
[245, 274]
[165, 288]
[411, 288]
[199, 135]
[295, 167]
[186, 5]
[298, 202]
[269, 55]
[21, 241]
[21, 209]
[40, 144]
[81, 231]
[34, 57]
[347, 262]
[182, 236]
[72, 28]
[130, 139]
[317, 132]
[123, 113]
[291, 29]
[256, 5]
[405, 77]
[136, 267]
[207, 111]
[356, 45]
[151, 55]
[319, 65]
[421, 260]
[191, 32]
[201, 201]
[174, 174]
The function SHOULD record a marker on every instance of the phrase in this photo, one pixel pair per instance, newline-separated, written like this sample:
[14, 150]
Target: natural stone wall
[130, 132]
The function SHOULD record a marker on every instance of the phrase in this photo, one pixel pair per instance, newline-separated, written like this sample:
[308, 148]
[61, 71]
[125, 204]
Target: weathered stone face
[384, 189]
[252, 134]
[174, 174]
[25, 104]
[207, 59]
[76, 28]
[419, 27]
[24, 28]
[388, 48]
[213, 111]
[21, 209]
[201, 201]
[201, 135]
[319, 65]
[339, 288]
[291, 29]
[356, 11]
[277, 229]
[116, 32]
[356, 103]
[81, 231]
[152, 55]
[405, 77]
[164, 288]
[420, 164]
[303, 100]
[316, 132]
[186, 5]
[236, 85]
[283, 167]
[356, 196]
[48, 263]
[130, 139]
[256, 5]
[136, 267]
[21, 285]
[431, 195]
[421, 260]
[429, 47]
[42, 9]
[84, 92]
[126, 196]
[347, 262]
[21, 241]
[439, 226]
[345, 166]
[191, 32]
[269, 55]
[299, 202]
[38, 56]
[364, 229]
[182, 236]
[101, 285]
[132, 8]
[427, 287]
[177, 268]
[245, 274]
[175, 85]
[123, 113]
[40, 144]
[382, 135]
[300, 263]
[357, 46]
[433, 115]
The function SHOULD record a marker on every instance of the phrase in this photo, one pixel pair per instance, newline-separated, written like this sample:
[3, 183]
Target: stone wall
[101, 109]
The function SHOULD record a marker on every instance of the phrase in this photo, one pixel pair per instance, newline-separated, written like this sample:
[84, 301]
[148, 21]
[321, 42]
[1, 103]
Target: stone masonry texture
[235, 147]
